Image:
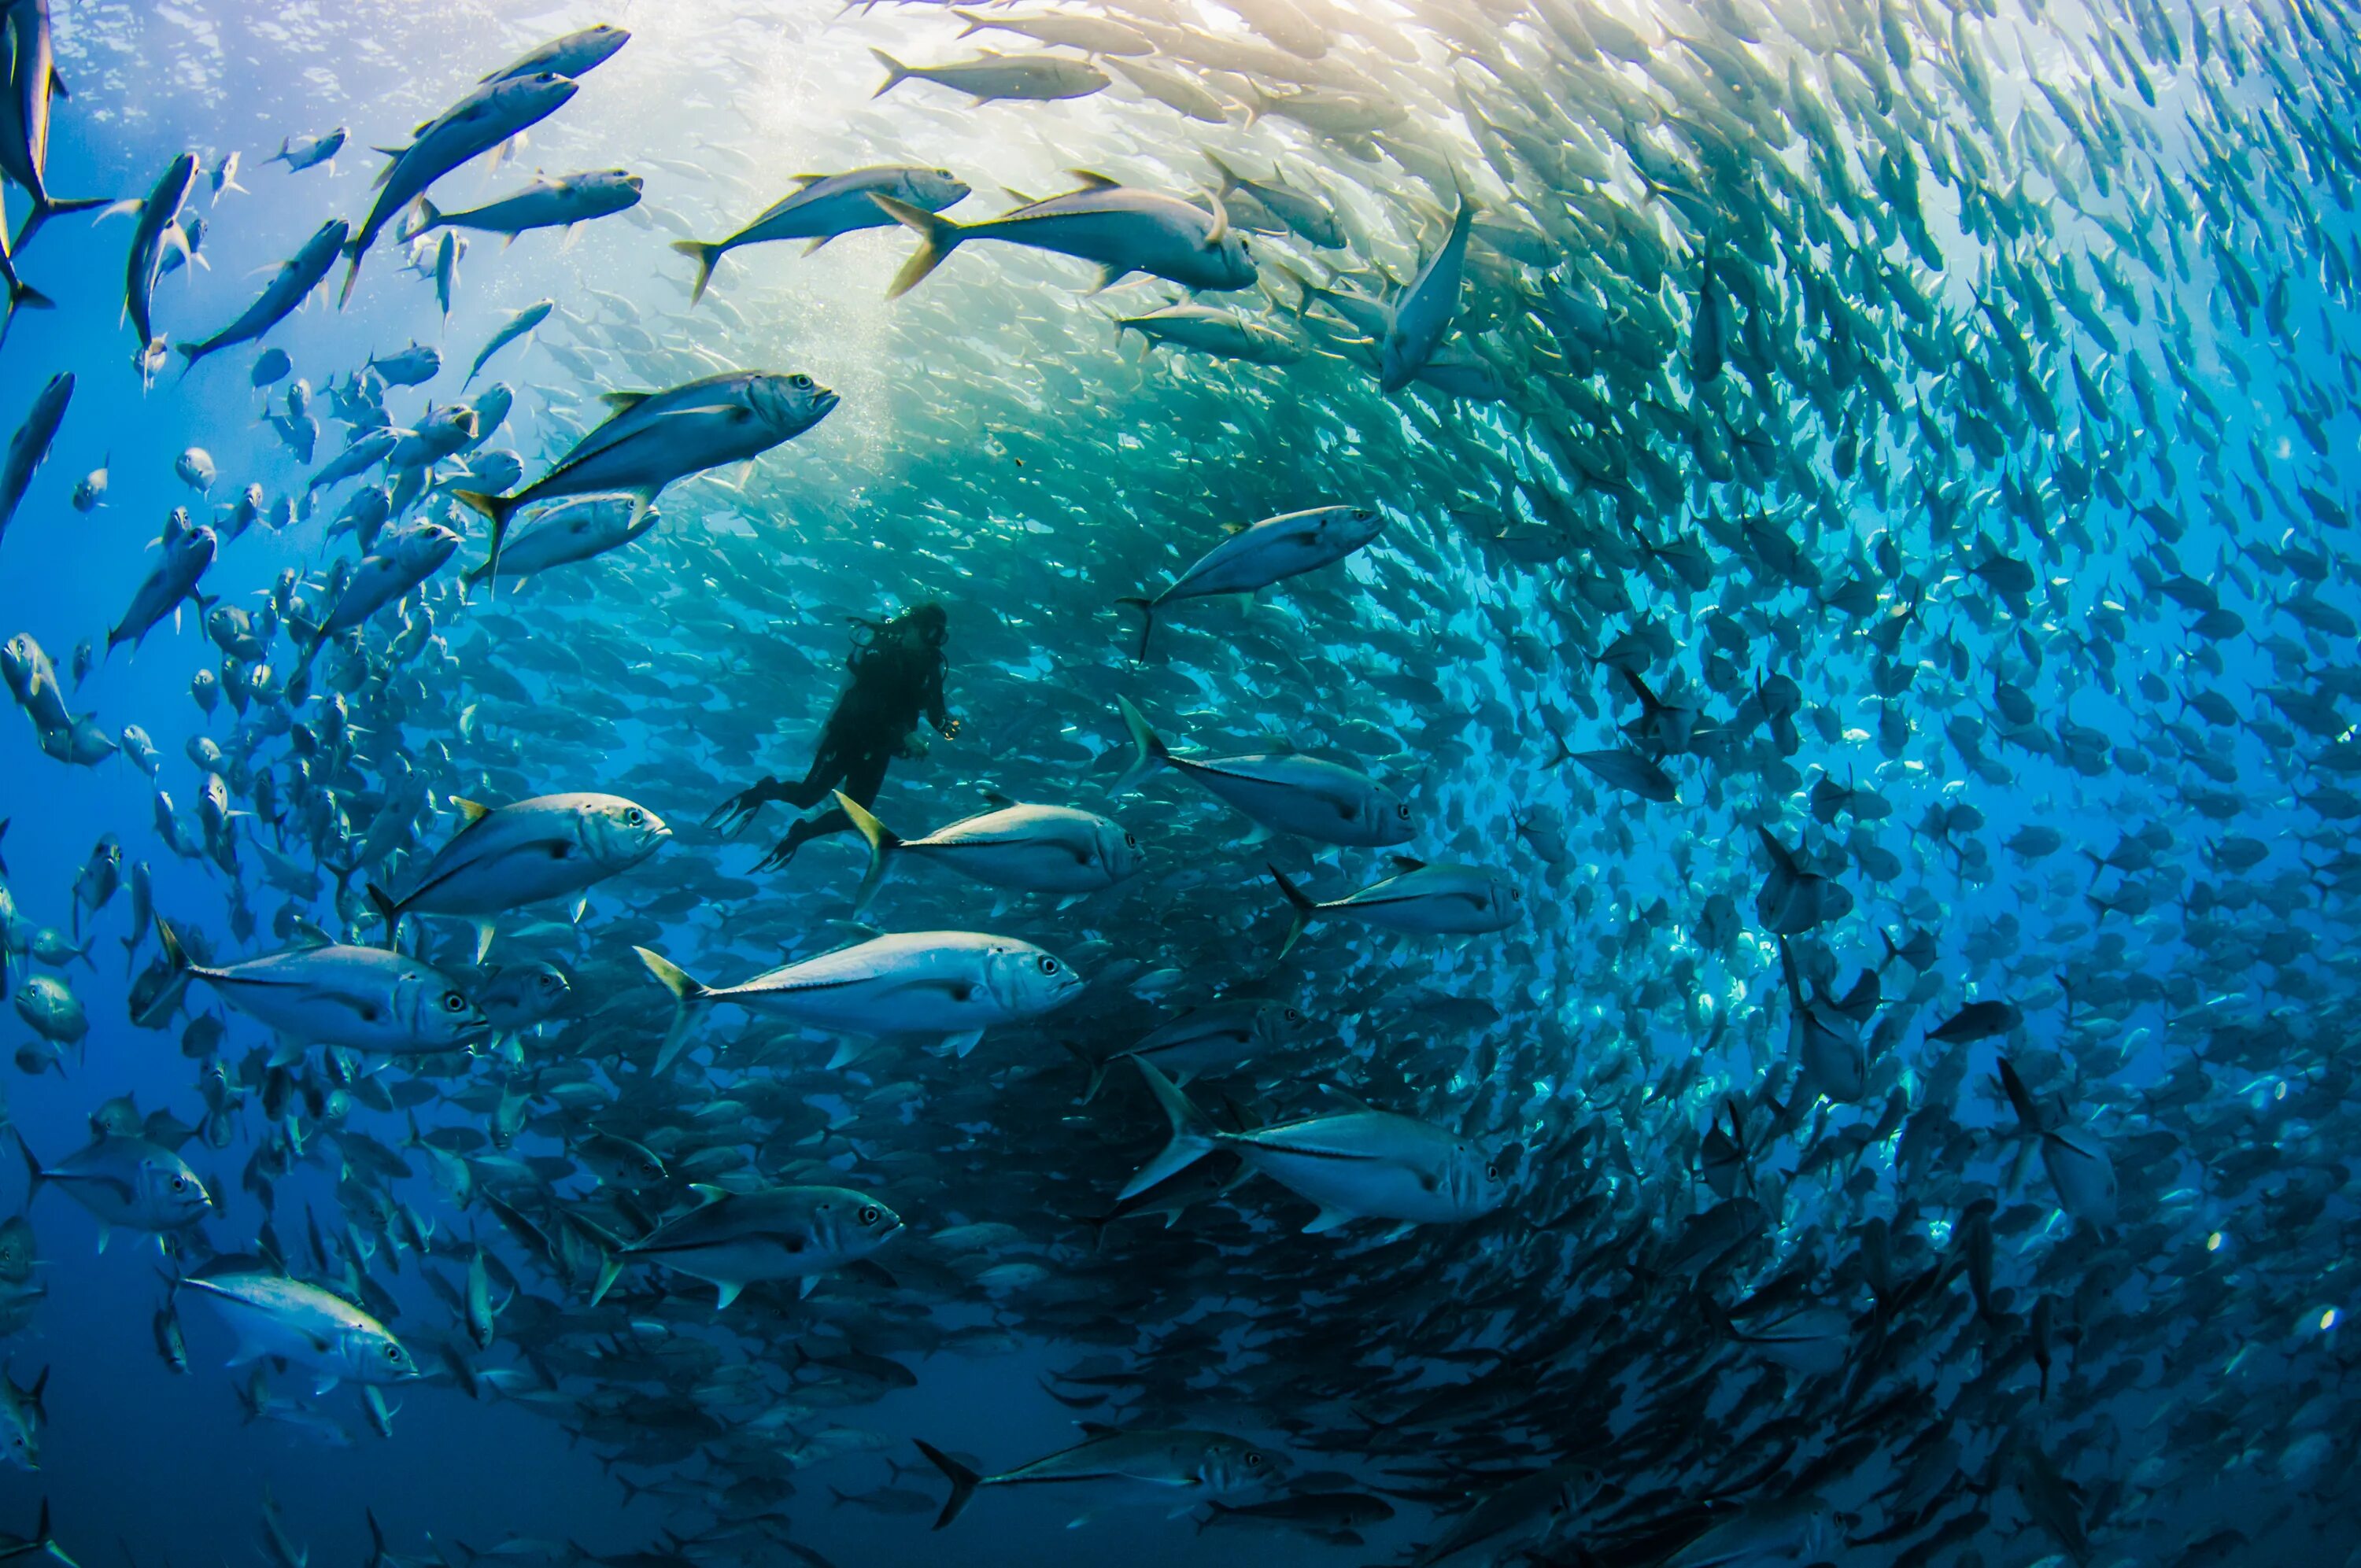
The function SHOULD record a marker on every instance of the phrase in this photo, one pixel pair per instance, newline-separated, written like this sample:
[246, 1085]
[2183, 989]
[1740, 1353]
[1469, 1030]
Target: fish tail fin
[48, 208]
[181, 970]
[1146, 608]
[429, 216]
[1194, 1137]
[353, 251]
[610, 1268]
[896, 73]
[189, 353]
[1147, 748]
[883, 841]
[706, 255]
[974, 24]
[1304, 908]
[388, 911]
[685, 994]
[938, 237]
[23, 296]
[35, 1177]
[1097, 1066]
[963, 1481]
[499, 509]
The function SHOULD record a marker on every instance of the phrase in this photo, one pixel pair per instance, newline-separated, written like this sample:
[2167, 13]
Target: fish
[1355, 1164]
[364, 999]
[301, 1324]
[515, 327]
[288, 289]
[1121, 228]
[1442, 899]
[1264, 553]
[823, 207]
[480, 121]
[571, 531]
[732, 1240]
[31, 444]
[570, 55]
[953, 986]
[988, 78]
[34, 85]
[302, 152]
[1284, 791]
[1018, 847]
[126, 1182]
[156, 233]
[653, 439]
[559, 202]
[1108, 1467]
[186, 559]
[549, 846]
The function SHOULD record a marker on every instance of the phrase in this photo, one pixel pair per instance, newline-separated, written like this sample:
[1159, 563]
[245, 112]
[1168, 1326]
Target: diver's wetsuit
[897, 679]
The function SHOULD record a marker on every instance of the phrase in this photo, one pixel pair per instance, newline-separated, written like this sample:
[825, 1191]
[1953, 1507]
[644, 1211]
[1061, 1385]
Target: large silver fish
[550, 846]
[1285, 792]
[732, 1240]
[950, 984]
[1019, 847]
[823, 206]
[654, 438]
[1122, 229]
[1359, 1163]
[364, 998]
[290, 287]
[476, 124]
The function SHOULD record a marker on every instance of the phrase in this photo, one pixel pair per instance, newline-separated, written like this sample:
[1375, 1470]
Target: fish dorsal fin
[1234, 527]
[1020, 198]
[1338, 1092]
[1093, 181]
[1221, 229]
[1097, 1429]
[624, 402]
[1407, 863]
[998, 801]
[708, 1193]
[475, 811]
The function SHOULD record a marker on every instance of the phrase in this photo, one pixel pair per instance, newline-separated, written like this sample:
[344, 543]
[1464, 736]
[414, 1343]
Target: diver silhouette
[897, 679]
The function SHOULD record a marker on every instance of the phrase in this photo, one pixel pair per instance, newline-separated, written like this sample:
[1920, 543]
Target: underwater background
[1863, 565]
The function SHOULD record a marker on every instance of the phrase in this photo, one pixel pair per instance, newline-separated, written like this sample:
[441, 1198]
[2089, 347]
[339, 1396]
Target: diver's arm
[938, 711]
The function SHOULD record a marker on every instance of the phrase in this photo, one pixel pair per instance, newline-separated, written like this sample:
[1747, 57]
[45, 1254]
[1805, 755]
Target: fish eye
[1254, 1460]
[1491, 1173]
[1293, 1017]
[1129, 842]
[635, 816]
[180, 1184]
[869, 1215]
[800, 381]
[1049, 964]
[454, 1003]
[1402, 811]
[392, 1353]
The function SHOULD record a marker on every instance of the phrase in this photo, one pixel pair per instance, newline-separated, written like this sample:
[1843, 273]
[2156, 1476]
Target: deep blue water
[997, 450]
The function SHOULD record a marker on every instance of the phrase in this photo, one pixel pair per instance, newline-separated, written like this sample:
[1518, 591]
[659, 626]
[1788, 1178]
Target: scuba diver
[897, 679]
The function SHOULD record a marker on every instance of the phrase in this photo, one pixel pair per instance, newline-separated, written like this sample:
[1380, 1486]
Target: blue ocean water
[1911, 427]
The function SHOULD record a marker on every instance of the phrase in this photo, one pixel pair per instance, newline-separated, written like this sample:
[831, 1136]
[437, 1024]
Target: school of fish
[1649, 855]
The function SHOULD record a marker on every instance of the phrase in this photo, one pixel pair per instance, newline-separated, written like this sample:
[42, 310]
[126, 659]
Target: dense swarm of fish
[1485, 1017]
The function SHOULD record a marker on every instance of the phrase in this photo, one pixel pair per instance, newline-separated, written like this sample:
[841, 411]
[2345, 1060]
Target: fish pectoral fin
[805, 1286]
[1327, 1220]
[726, 1291]
[324, 1383]
[959, 1044]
